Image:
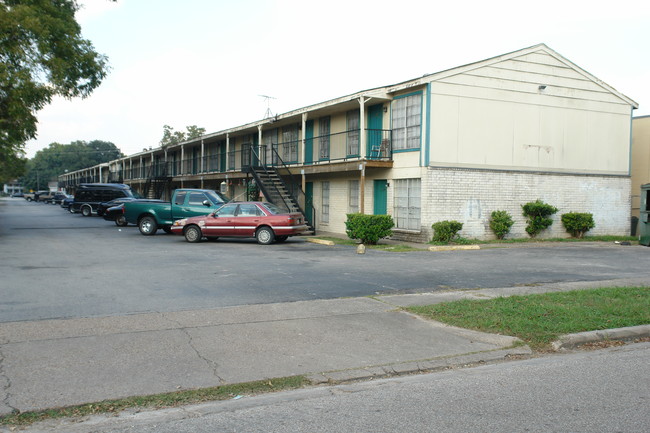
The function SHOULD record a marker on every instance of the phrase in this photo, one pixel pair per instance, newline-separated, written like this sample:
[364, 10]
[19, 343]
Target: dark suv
[89, 195]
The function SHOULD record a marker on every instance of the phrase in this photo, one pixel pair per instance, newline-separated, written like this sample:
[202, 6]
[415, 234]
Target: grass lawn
[540, 319]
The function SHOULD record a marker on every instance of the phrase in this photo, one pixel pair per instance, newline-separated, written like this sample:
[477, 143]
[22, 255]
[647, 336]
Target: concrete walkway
[56, 363]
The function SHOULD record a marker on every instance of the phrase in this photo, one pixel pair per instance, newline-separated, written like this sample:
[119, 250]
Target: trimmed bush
[578, 223]
[368, 228]
[500, 223]
[538, 216]
[446, 231]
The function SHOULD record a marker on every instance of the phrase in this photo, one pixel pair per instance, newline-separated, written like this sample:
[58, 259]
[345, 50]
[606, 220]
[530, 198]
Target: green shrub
[500, 223]
[446, 231]
[578, 223]
[538, 216]
[368, 228]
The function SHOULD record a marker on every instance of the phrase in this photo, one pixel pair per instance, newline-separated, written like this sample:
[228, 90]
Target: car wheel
[52, 202]
[70, 209]
[121, 221]
[29, 199]
[265, 235]
[148, 226]
[281, 238]
[86, 211]
[192, 234]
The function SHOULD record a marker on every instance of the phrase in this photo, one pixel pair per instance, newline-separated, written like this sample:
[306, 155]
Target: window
[248, 210]
[197, 199]
[353, 133]
[324, 138]
[406, 211]
[325, 204]
[180, 198]
[353, 196]
[227, 210]
[231, 154]
[290, 144]
[407, 119]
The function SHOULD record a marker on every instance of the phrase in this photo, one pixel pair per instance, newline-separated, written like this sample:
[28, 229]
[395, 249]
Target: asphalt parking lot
[58, 265]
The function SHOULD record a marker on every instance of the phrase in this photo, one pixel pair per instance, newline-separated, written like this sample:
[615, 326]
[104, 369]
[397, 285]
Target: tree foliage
[538, 216]
[42, 55]
[171, 137]
[56, 159]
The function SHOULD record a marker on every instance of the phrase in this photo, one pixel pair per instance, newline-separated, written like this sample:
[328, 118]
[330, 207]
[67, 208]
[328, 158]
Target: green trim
[427, 120]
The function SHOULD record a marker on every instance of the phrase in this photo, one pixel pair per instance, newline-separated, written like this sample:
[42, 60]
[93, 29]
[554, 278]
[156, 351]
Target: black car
[116, 213]
[59, 197]
[101, 208]
[89, 195]
[66, 203]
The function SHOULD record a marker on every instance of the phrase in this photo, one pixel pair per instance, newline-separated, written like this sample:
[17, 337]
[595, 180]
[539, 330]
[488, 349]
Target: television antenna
[267, 113]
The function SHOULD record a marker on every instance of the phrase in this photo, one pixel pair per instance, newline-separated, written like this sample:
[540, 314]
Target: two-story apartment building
[453, 145]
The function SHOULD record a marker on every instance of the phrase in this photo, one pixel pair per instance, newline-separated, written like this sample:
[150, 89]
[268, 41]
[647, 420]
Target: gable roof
[539, 48]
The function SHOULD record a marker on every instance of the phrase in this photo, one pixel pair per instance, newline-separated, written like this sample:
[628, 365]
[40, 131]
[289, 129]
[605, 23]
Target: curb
[454, 247]
[415, 367]
[320, 241]
[571, 341]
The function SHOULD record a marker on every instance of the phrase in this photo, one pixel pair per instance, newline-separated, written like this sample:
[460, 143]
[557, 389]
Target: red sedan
[263, 221]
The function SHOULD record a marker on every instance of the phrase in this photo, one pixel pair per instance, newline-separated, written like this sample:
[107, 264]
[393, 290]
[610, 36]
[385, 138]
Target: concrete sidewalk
[56, 363]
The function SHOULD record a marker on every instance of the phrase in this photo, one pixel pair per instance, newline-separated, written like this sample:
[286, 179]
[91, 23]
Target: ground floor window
[353, 196]
[325, 203]
[406, 212]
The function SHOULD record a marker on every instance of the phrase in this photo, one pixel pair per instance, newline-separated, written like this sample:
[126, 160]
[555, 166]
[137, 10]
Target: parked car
[45, 196]
[185, 203]
[17, 194]
[263, 221]
[89, 195]
[59, 197]
[101, 208]
[116, 213]
[66, 203]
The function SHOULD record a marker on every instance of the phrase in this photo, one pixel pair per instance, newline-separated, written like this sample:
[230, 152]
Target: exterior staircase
[157, 182]
[281, 190]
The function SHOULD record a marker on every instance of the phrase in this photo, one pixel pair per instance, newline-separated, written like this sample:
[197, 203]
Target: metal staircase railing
[279, 185]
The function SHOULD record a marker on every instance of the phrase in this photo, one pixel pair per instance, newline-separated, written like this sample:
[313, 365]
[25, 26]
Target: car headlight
[180, 222]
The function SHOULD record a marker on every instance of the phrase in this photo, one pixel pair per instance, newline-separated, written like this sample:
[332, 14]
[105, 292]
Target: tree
[42, 55]
[171, 137]
[12, 165]
[58, 158]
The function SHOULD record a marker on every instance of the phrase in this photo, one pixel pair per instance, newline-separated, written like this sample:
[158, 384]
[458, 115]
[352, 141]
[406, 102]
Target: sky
[207, 62]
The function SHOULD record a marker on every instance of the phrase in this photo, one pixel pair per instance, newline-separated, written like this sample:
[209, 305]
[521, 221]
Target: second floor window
[407, 120]
[290, 144]
[353, 133]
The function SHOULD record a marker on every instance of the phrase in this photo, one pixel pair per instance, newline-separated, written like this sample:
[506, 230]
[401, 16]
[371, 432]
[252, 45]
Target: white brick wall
[470, 196]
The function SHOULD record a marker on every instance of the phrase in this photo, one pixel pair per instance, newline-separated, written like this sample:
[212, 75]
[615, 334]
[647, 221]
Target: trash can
[644, 225]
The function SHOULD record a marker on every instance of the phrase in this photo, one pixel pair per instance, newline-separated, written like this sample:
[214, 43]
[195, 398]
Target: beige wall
[497, 117]
[640, 158]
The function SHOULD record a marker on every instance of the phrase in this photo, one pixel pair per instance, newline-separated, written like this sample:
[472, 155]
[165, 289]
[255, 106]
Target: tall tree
[42, 55]
[58, 158]
[171, 137]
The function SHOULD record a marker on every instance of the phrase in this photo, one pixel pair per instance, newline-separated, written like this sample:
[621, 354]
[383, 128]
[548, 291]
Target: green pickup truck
[150, 216]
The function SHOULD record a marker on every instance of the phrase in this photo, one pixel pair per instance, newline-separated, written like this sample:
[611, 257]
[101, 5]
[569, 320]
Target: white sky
[205, 62]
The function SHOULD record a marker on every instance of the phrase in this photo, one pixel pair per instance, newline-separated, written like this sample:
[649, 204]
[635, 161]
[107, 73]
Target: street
[601, 391]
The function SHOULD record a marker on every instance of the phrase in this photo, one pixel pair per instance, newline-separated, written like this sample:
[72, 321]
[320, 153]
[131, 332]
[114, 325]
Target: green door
[380, 195]
[309, 142]
[309, 202]
[375, 133]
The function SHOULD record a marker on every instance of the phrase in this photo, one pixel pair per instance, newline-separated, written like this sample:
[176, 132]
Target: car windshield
[136, 194]
[275, 210]
[217, 197]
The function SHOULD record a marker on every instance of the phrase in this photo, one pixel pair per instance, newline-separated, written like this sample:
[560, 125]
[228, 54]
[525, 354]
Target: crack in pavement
[6, 383]
[214, 366]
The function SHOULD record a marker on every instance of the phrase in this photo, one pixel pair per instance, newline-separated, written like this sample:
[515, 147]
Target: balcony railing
[336, 147]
